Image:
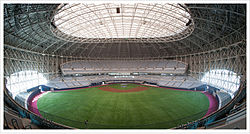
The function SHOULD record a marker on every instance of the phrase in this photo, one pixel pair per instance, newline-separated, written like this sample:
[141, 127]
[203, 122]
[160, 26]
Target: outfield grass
[152, 108]
[124, 86]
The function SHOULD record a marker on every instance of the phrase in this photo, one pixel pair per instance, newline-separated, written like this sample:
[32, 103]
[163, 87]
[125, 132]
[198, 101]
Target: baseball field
[123, 106]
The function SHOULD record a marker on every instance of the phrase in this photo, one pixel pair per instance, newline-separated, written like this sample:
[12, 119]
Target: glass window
[222, 79]
[21, 81]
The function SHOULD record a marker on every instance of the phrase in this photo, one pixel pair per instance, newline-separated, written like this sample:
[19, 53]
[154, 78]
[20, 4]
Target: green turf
[152, 108]
[124, 86]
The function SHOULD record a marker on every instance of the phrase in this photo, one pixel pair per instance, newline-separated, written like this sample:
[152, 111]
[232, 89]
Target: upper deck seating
[102, 66]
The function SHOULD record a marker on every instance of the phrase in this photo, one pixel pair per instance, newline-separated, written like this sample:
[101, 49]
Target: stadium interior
[193, 47]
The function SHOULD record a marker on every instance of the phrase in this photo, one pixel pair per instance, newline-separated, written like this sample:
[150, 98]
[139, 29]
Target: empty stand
[168, 81]
[98, 66]
[224, 98]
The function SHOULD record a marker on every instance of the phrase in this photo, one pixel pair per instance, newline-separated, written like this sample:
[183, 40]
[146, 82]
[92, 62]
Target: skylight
[21, 81]
[122, 20]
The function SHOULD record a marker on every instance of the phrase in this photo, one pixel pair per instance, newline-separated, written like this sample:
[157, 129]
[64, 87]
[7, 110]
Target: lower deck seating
[169, 81]
[224, 98]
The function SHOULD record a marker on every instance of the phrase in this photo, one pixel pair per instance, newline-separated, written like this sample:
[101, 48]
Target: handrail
[237, 108]
[226, 119]
[13, 122]
[29, 112]
[11, 110]
[219, 112]
[222, 111]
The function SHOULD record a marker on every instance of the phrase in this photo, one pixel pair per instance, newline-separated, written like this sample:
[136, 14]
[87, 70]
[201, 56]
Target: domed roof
[123, 30]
